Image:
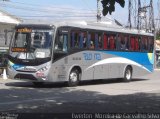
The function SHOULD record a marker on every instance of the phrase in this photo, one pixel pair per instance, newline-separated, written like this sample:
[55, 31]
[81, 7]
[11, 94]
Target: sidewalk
[4, 80]
[157, 69]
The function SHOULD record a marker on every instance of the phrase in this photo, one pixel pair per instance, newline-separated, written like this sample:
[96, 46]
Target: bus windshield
[31, 44]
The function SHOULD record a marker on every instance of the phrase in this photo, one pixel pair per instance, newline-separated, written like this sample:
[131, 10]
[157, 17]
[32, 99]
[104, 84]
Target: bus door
[61, 44]
[60, 51]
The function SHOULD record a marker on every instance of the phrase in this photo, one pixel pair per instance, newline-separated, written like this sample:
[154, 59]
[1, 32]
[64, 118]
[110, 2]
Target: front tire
[74, 78]
[127, 74]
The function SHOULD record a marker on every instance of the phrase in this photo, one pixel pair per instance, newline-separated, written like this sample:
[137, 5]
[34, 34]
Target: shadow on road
[51, 98]
[61, 85]
[24, 97]
[28, 99]
[107, 81]
[31, 85]
[67, 101]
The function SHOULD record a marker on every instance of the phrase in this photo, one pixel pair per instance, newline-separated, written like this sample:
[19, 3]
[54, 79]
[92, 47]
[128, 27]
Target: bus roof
[34, 26]
[104, 26]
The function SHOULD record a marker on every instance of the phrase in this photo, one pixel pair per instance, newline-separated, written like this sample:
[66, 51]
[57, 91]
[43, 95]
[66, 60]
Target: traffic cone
[4, 74]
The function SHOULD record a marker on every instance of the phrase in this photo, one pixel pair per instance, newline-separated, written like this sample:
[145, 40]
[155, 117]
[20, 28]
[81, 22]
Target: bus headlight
[43, 69]
[41, 72]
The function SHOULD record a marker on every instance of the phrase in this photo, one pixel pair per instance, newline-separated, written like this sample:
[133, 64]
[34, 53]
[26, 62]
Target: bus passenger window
[96, 41]
[132, 44]
[126, 38]
[75, 38]
[111, 42]
[65, 43]
[122, 42]
[150, 44]
[72, 40]
[61, 42]
[78, 39]
[89, 40]
[92, 44]
[84, 41]
[92, 41]
[118, 42]
[105, 41]
[99, 41]
[126, 41]
[144, 44]
[136, 44]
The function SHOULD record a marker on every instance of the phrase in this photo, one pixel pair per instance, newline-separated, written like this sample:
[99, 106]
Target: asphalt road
[141, 95]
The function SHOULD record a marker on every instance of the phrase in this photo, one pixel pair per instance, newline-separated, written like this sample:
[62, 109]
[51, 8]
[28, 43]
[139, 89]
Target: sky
[63, 9]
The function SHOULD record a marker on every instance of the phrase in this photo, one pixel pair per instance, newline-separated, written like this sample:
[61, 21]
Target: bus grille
[25, 76]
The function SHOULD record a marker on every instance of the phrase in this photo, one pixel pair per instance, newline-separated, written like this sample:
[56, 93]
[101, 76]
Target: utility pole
[157, 28]
[158, 17]
[135, 10]
[139, 17]
[146, 17]
[151, 17]
[99, 10]
[129, 14]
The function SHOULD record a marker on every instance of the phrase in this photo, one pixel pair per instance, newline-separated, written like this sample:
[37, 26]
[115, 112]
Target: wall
[4, 27]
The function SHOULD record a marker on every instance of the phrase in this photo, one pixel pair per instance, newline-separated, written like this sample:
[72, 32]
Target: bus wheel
[128, 74]
[38, 83]
[73, 78]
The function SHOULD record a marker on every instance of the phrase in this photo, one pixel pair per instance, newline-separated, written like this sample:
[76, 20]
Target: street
[105, 96]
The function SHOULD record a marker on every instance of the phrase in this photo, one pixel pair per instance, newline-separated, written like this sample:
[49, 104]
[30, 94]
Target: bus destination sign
[19, 49]
[24, 30]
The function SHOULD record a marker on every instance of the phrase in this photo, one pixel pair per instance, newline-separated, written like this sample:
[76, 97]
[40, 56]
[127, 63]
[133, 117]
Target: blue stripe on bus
[141, 58]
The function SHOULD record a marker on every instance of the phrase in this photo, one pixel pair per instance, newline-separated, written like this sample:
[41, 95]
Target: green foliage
[109, 5]
[158, 37]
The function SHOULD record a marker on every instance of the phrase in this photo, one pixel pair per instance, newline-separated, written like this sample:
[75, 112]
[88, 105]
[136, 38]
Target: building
[7, 23]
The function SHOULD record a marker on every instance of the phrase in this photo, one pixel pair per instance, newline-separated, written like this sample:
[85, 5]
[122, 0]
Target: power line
[86, 4]
[58, 12]
[57, 18]
[21, 8]
[56, 15]
[4, 0]
[25, 4]
[36, 5]
[46, 11]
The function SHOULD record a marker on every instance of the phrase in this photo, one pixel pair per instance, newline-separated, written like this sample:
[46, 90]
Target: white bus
[77, 51]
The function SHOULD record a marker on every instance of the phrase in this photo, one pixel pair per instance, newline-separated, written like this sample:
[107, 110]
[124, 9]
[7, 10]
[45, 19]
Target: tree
[158, 35]
[109, 6]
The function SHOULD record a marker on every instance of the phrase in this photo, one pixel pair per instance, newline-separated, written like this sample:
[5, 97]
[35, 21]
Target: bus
[77, 51]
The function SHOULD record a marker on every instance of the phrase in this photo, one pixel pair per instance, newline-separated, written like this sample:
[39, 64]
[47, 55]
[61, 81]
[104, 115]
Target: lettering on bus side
[92, 56]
